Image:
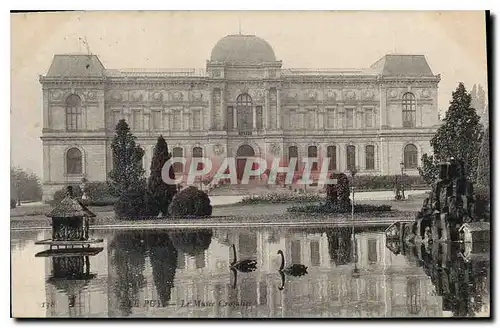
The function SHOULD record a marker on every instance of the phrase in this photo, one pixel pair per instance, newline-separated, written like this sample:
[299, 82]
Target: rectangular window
[370, 157]
[177, 124]
[295, 252]
[137, 120]
[369, 118]
[196, 120]
[156, 117]
[200, 260]
[258, 115]
[315, 257]
[349, 118]
[351, 157]
[310, 119]
[216, 96]
[372, 250]
[331, 118]
[230, 119]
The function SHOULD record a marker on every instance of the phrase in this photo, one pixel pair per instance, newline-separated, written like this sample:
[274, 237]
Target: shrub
[13, 203]
[191, 243]
[387, 182]
[135, 203]
[337, 194]
[98, 193]
[190, 202]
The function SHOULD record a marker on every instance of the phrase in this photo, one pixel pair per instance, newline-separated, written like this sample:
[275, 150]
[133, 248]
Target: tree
[478, 101]
[127, 161]
[459, 136]
[483, 166]
[24, 185]
[161, 193]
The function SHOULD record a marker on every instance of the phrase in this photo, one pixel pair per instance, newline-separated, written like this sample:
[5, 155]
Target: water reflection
[460, 276]
[186, 273]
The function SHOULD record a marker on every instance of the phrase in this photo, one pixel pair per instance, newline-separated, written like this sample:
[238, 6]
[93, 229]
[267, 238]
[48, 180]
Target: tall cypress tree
[483, 167]
[160, 192]
[459, 136]
[127, 161]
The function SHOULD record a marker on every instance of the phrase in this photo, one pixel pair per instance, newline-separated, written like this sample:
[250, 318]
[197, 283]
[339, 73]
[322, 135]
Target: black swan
[243, 265]
[235, 275]
[295, 270]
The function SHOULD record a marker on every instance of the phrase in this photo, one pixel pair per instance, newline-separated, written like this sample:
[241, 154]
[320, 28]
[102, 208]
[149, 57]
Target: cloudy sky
[453, 42]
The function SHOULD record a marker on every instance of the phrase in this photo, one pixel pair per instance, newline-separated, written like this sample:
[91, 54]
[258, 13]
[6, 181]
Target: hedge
[99, 194]
[386, 182]
[277, 198]
[325, 208]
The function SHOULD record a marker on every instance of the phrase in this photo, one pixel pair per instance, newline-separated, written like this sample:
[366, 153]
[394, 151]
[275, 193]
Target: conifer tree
[459, 137]
[160, 192]
[483, 167]
[127, 161]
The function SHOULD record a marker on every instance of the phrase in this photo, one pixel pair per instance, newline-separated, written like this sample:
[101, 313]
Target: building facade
[244, 103]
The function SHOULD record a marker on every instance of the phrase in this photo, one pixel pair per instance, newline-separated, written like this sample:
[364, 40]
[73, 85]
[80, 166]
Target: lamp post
[402, 164]
[353, 173]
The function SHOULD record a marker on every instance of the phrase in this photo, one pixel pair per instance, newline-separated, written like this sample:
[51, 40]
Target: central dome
[242, 49]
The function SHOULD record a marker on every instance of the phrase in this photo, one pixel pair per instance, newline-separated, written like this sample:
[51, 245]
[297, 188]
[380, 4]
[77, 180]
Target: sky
[453, 42]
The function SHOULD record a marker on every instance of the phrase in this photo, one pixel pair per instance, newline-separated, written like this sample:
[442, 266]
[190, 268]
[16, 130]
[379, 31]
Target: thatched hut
[70, 219]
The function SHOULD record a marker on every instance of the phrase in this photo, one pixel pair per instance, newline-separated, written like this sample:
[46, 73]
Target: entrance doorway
[242, 154]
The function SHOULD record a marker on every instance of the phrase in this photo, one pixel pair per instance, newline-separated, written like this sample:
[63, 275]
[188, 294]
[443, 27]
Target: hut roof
[69, 208]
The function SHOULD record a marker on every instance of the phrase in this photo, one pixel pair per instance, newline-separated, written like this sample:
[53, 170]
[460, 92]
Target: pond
[186, 273]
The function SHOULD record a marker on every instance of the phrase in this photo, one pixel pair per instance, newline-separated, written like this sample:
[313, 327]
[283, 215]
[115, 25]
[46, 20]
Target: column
[166, 120]
[266, 109]
[278, 109]
[181, 128]
[235, 119]
[341, 158]
[223, 109]
[210, 109]
[340, 114]
[46, 109]
[254, 118]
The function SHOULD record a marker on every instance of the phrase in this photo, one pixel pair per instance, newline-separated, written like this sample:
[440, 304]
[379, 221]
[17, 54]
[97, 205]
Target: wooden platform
[51, 242]
[67, 252]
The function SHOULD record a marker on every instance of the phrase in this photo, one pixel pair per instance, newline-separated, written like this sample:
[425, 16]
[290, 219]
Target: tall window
[177, 121]
[198, 153]
[178, 166]
[74, 161]
[156, 120]
[258, 114]
[137, 120]
[196, 120]
[409, 110]
[370, 157]
[331, 153]
[293, 152]
[244, 112]
[331, 118]
[410, 157]
[312, 153]
[349, 118]
[73, 112]
[369, 118]
[351, 157]
[310, 119]
[230, 118]
[372, 250]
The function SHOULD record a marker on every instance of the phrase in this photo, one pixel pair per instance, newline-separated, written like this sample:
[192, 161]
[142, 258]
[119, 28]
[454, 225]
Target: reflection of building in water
[388, 285]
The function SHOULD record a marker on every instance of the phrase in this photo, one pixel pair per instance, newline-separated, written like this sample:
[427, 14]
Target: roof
[242, 49]
[76, 66]
[70, 208]
[403, 65]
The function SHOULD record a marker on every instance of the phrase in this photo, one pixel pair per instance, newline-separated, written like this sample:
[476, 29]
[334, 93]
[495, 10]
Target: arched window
[351, 157]
[293, 152]
[370, 157]
[74, 161]
[413, 296]
[73, 112]
[177, 152]
[409, 110]
[410, 156]
[312, 152]
[244, 112]
[198, 153]
[331, 153]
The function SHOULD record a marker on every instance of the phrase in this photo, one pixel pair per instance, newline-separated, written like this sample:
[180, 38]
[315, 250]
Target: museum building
[244, 103]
